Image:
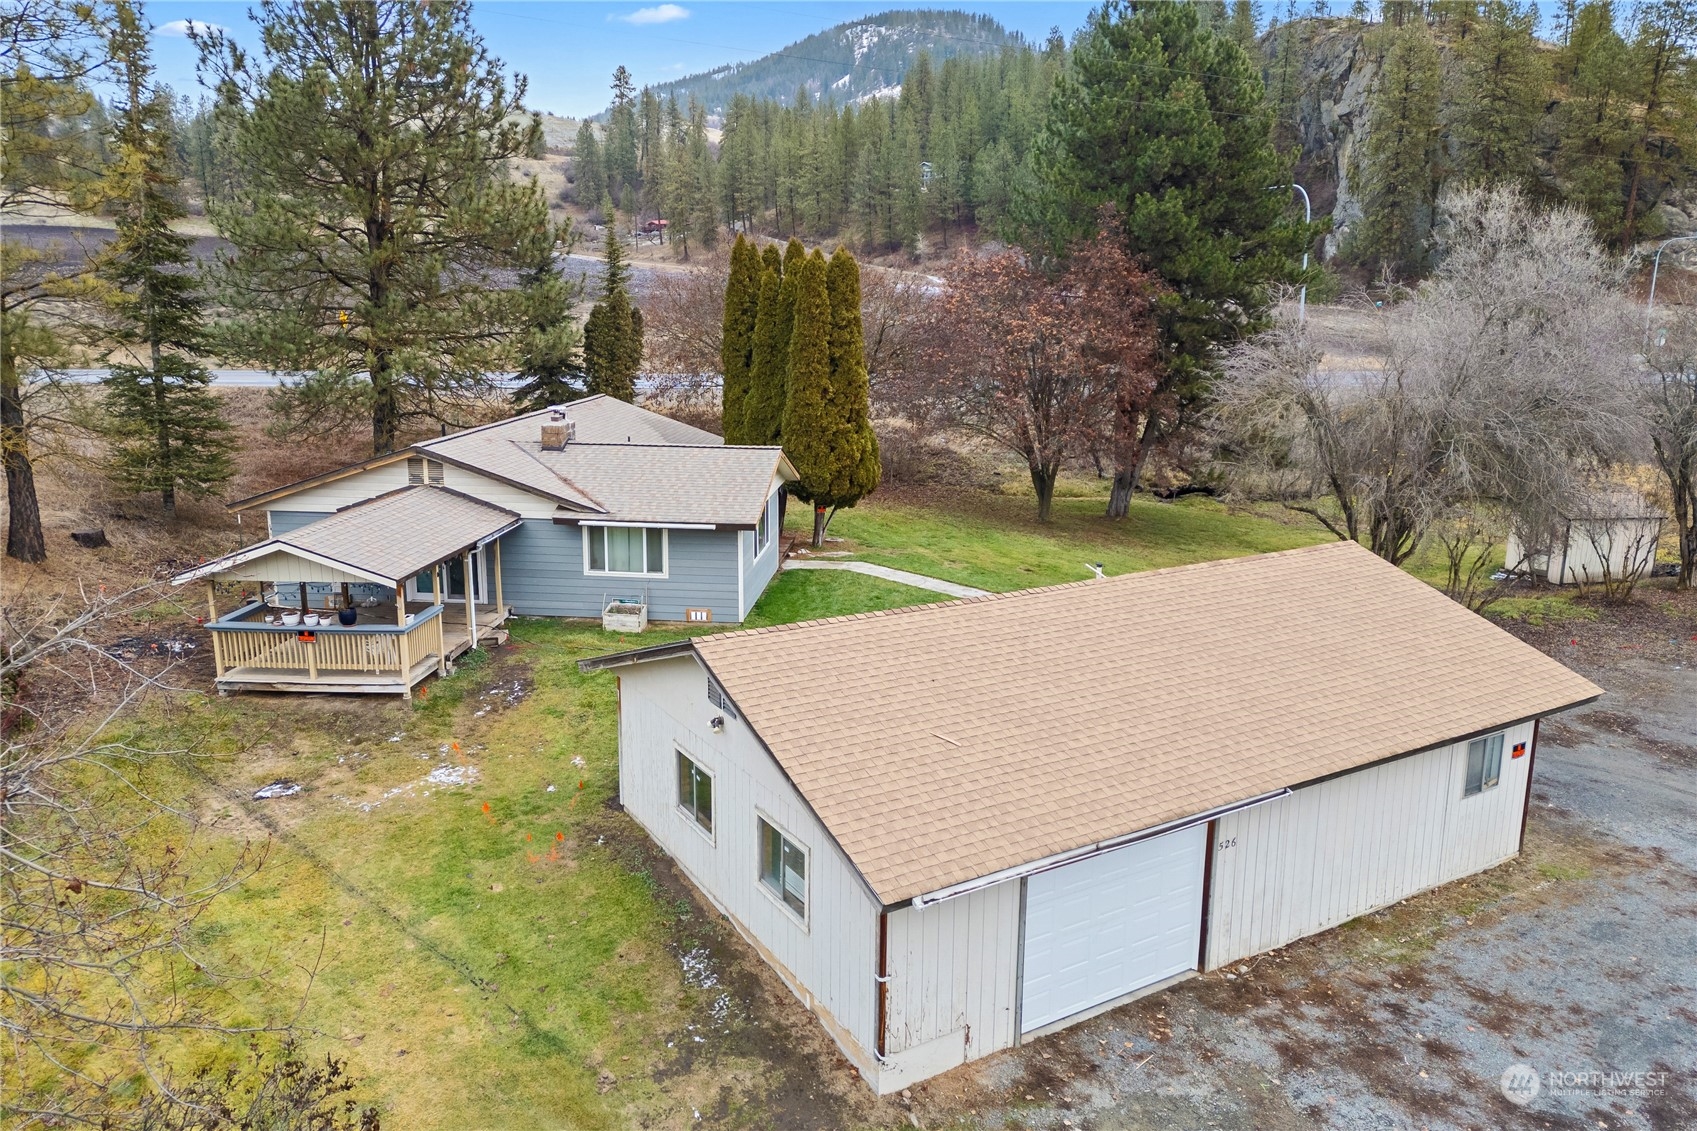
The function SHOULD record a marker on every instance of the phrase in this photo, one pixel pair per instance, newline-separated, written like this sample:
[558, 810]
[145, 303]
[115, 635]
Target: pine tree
[612, 335]
[363, 244]
[1595, 123]
[620, 151]
[763, 407]
[589, 169]
[1193, 197]
[736, 352]
[1394, 169]
[811, 429]
[162, 418]
[549, 365]
[1666, 134]
[1498, 105]
[1244, 20]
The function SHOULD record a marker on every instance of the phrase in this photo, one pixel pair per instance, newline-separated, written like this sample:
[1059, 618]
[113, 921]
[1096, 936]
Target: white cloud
[179, 29]
[660, 14]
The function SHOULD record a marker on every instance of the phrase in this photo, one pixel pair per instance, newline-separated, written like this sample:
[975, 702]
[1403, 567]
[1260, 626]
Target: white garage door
[1110, 924]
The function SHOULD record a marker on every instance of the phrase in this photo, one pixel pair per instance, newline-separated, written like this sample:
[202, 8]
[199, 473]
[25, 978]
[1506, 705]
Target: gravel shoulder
[1579, 957]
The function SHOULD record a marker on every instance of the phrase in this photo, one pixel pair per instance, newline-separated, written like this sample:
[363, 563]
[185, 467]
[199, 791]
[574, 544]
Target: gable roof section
[625, 464]
[387, 538]
[944, 743]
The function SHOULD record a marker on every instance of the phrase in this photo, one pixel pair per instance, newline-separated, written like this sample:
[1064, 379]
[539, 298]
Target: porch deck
[374, 656]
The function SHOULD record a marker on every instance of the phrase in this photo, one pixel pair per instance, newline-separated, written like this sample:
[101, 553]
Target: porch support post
[401, 604]
[303, 602]
[470, 600]
[500, 603]
[436, 584]
[211, 600]
[441, 647]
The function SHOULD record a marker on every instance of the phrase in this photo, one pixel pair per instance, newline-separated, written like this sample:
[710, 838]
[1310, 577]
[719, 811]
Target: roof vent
[557, 432]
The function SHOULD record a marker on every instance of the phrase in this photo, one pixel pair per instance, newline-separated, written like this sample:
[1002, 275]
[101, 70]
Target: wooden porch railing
[379, 650]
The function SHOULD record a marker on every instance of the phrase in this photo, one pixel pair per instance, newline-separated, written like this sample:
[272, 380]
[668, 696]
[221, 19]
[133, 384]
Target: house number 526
[1225, 844]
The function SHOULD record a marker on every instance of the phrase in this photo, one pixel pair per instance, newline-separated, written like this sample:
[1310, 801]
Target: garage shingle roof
[944, 743]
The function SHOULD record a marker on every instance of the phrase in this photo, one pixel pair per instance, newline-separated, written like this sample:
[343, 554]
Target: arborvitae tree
[549, 365]
[1394, 168]
[1595, 123]
[167, 431]
[855, 464]
[812, 431]
[589, 169]
[612, 335]
[1497, 108]
[736, 350]
[763, 407]
[1197, 198]
[374, 207]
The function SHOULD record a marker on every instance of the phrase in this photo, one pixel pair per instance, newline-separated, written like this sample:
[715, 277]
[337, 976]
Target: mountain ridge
[850, 62]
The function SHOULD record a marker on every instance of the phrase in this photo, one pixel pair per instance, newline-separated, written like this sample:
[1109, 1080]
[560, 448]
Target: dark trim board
[1526, 805]
[1207, 893]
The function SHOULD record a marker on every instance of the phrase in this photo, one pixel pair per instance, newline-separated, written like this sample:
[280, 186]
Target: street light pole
[1307, 219]
[1655, 269]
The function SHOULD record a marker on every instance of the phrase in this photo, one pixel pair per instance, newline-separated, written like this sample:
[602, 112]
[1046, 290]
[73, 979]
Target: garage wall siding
[954, 972]
[831, 961]
[1330, 852]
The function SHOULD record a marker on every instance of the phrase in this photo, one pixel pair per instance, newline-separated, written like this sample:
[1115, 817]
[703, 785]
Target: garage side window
[783, 868]
[631, 550]
[695, 792]
[1484, 764]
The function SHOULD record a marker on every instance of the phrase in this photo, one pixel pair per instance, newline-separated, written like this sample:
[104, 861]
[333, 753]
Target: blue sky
[569, 50]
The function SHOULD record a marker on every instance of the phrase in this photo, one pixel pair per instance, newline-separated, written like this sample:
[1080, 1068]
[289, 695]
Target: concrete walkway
[917, 580]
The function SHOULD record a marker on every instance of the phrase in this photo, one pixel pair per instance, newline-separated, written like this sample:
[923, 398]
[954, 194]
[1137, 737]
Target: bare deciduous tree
[103, 878]
[1036, 362]
[1669, 407]
[1504, 380]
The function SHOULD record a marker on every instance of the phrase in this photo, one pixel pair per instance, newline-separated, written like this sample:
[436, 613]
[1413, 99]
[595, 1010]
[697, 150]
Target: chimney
[557, 432]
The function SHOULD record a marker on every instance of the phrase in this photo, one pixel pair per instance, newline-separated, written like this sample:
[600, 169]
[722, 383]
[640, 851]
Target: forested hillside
[1595, 107]
[850, 62]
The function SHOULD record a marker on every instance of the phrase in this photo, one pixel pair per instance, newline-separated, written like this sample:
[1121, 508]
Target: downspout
[880, 1045]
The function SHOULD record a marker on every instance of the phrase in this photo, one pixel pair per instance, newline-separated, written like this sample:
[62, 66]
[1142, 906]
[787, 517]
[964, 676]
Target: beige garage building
[956, 827]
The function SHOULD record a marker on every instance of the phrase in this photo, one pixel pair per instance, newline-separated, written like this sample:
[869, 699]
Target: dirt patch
[746, 1051]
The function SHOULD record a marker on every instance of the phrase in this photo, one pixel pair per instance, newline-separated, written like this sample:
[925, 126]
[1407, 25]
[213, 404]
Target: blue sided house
[372, 576]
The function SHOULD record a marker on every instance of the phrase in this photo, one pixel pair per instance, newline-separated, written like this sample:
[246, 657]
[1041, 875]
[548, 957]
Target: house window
[695, 792]
[783, 869]
[421, 470]
[763, 530]
[1484, 764]
[625, 549]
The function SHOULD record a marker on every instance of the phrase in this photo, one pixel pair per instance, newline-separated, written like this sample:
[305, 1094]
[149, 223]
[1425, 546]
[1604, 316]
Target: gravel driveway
[1578, 958]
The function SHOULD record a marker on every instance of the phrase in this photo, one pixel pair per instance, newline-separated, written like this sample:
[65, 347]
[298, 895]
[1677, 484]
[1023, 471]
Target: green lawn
[482, 953]
[996, 543]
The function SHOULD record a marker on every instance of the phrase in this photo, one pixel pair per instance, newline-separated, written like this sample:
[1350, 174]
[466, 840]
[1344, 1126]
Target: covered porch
[370, 600]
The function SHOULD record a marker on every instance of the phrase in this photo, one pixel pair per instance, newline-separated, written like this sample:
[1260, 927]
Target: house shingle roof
[625, 464]
[948, 742]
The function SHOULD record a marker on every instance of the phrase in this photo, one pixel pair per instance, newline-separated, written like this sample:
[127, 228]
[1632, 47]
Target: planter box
[623, 617]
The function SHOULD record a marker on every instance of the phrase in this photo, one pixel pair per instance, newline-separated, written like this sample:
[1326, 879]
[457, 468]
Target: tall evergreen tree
[589, 168]
[164, 422]
[763, 407]
[612, 335]
[374, 206]
[549, 366]
[1666, 135]
[736, 351]
[1497, 109]
[620, 150]
[1196, 195]
[1595, 122]
[810, 431]
[1395, 165]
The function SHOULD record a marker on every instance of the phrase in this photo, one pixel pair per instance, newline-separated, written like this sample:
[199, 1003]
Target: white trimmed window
[763, 530]
[421, 471]
[1484, 765]
[635, 551]
[783, 869]
[695, 792]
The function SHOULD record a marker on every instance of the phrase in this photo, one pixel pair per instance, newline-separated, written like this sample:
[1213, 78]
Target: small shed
[294, 634]
[1611, 537]
[953, 828]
